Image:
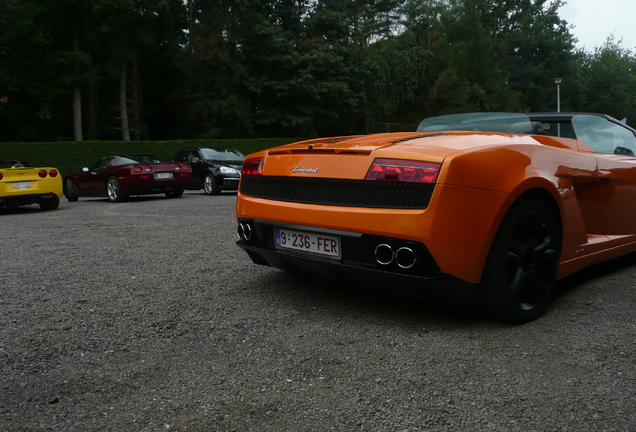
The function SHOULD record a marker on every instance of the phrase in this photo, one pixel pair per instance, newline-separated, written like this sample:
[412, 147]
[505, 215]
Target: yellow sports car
[22, 185]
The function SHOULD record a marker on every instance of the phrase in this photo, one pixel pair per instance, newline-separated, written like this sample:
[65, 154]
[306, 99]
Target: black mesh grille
[339, 192]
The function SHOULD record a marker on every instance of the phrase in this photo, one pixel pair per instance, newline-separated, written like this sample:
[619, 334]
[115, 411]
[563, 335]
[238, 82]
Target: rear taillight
[138, 169]
[403, 171]
[42, 173]
[53, 173]
[253, 167]
[186, 167]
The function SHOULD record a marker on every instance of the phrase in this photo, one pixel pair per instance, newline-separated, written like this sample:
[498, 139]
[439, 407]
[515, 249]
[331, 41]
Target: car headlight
[228, 170]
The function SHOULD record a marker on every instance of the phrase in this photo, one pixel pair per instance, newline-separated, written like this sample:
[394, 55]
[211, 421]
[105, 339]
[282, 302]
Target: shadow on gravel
[310, 291]
[23, 210]
[604, 269]
[302, 291]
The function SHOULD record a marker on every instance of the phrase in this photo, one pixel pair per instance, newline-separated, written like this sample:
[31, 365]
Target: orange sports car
[495, 205]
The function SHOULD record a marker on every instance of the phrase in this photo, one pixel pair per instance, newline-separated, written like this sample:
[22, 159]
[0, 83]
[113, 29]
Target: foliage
[71, 156]
[241, 68]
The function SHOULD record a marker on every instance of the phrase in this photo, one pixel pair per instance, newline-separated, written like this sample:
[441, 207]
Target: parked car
[214, 169]
[118, 177]
[493, 206]
[22, 185]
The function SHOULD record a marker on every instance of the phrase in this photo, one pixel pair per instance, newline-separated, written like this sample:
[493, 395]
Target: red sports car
[118, 177]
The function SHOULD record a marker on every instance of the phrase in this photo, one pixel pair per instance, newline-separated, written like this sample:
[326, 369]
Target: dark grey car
[214, 169]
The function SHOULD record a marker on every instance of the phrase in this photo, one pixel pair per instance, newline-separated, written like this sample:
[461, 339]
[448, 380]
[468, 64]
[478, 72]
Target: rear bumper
[136, 186]
[22, 200]
[358, 264]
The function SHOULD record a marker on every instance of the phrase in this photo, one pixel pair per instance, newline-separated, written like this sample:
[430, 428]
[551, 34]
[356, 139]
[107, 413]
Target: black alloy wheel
[209, 185]
[522, 265]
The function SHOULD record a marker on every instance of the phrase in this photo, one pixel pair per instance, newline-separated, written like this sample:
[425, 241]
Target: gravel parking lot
[145, 316]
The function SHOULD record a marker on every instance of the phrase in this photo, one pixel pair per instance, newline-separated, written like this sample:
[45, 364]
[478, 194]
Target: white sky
[595, 20]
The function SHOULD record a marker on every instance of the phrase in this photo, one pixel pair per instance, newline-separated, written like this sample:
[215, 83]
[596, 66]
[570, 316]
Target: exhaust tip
[383, 254]
[244, 231]
[405, 257]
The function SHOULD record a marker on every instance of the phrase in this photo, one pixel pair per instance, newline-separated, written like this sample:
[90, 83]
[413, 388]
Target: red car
[118, 177]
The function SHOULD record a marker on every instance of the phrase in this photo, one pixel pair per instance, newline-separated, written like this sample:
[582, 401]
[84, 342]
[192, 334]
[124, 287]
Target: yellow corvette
[22, 185]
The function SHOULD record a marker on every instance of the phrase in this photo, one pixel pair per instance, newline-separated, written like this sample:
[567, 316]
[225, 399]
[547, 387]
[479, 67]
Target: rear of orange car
[369, 208]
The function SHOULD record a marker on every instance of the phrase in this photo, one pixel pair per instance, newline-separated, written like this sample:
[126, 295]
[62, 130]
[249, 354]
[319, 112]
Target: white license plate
[320, 244]
[21, 185]
[163, 176]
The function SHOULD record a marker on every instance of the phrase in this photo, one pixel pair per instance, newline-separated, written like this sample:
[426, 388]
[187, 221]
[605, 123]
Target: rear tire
[522, 264]
[71, 191]
[113, 188]
[50, 205]
[174, 193]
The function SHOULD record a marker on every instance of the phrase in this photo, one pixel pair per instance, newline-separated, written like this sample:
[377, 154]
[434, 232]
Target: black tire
[50, 205]
[177, 193]
[522, 264]
[113, 189]
[71, 191]
[209, 185]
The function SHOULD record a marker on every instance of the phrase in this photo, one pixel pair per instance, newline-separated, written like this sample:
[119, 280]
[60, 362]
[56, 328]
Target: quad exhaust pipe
[404, 256]
[244, 231]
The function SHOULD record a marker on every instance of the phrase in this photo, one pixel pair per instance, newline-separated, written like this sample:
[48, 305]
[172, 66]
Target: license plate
[21, 185]
[320, 244]
[163, 176]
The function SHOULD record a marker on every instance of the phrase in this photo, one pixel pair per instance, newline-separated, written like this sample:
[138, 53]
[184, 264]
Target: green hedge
[71, 156]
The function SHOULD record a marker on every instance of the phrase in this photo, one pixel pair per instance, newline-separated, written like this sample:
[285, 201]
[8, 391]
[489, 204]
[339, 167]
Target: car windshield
[12, 164]
[222, 154]
[486, 122]
[137, 158]
[100, 164]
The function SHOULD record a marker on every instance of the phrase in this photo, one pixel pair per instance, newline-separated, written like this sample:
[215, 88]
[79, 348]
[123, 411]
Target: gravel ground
[145, 316]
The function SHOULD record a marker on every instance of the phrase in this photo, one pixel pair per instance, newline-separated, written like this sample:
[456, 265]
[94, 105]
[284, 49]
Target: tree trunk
[90, 95]
[135, 101]
[77, 92]
[123, 108]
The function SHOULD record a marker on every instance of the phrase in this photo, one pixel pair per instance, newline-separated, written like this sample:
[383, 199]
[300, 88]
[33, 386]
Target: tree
[609, 80]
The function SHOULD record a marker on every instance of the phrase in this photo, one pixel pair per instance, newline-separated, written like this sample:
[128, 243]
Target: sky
[595, 20]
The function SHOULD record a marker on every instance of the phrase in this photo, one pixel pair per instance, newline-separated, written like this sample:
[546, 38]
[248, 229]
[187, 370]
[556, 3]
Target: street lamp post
[557, 81]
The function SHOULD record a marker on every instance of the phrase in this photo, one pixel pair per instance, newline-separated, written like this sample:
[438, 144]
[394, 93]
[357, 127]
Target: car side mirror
[624, 151]
[195, 160]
